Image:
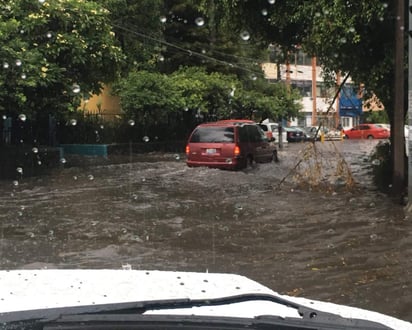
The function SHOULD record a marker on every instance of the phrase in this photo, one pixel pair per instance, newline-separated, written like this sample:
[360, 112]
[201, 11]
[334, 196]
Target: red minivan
[229, 144]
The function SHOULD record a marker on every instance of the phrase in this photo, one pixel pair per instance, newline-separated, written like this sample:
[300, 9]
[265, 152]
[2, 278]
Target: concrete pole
[314, 111]
[398, 140]
[409, 142]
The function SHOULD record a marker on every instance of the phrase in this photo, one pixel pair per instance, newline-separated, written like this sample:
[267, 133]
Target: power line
[191, 52]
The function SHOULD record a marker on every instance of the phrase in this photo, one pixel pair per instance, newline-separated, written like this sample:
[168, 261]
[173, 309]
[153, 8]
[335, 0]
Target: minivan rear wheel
[250, 163]
[275, 157]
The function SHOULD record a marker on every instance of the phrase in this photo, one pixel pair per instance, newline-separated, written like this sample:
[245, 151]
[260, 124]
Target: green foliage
[152, 98]
[375, 117]
[51, 51]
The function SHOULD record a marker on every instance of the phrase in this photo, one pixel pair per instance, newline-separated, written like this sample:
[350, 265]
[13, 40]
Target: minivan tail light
[236, 151]
[187, 149]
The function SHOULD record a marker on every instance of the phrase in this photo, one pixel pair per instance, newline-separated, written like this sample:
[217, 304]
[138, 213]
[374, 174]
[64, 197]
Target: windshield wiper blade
[308, 316]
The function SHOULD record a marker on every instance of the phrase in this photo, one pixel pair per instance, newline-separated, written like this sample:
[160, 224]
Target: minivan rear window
[213, 134]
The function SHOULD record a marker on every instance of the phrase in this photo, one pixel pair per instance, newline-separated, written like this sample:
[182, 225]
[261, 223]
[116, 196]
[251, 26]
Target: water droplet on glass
[22, 117]
[5, 65]
[35, 150]
[75, 177]
[131, 122]
[4, 117]
[42, 1]
[271, 2]
[146, 139]
[200, 21]
[253, 77]
[49, 35]
[76, 88]
[19, 170]
[23, 76]
[90, 177]
[127, 267]
[373, 237]
[15, 183]
[63, 160]
[39, 162]
[163, 19]
[245, 35]
[73, 122]
[264, 12]
[161, 58]
[18, 62]
[376, 162]
[177, 156]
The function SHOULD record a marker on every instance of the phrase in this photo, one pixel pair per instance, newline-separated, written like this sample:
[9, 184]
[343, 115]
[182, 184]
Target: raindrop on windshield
[42, 1]
[76, 88]
[19, 170]
[264, 12]
[177, 156]
[146, 139]
[271, 2]
[90, 177]
[49, 35]
[5, 65]
[35, 150]
[15, 183]
[200, 21]
[23, 76]
[245, 35]
[131, 122]
[163, 19]
[18, 62]
[73, 122]
[63, 160]
[22, 117]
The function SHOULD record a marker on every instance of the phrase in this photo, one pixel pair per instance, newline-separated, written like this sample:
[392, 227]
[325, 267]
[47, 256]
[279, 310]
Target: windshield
[99, 99]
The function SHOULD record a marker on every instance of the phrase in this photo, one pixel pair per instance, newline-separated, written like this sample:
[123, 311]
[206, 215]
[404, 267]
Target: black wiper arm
[134, 309]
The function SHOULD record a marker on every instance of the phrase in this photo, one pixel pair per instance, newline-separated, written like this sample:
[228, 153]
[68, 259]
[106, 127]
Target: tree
[138, 28]
[350, 36]
[52, 54]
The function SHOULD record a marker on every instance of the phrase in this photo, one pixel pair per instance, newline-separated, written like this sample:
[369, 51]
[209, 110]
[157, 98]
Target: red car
[229, 144]
[367, 131]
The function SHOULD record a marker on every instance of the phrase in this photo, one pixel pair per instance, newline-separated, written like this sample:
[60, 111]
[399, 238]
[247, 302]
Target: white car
[274, 128]
[138, 299]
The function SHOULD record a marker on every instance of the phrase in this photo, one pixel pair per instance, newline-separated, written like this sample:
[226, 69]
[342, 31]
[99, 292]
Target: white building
[301, 74]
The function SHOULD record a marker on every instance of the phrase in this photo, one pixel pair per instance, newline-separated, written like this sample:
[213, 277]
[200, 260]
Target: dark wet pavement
[312, 232]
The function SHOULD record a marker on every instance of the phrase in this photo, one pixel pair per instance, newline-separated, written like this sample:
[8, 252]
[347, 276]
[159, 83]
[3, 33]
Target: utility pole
[409, 145]
[398, 149]
[314, 92]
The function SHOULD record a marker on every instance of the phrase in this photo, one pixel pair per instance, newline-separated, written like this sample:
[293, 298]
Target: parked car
[272, 131]
[229, 144]
[367, 131]
[295, 134]
[328, 134]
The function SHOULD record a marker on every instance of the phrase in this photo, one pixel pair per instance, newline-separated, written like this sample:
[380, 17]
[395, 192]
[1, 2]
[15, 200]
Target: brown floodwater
[312, 225]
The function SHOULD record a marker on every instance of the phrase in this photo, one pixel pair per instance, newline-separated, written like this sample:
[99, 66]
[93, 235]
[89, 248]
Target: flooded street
[310, 232]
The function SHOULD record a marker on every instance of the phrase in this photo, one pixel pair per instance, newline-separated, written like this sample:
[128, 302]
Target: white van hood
[23, 290]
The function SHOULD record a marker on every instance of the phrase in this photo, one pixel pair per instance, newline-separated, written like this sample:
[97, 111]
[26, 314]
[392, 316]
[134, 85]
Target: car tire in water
[275, 157]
